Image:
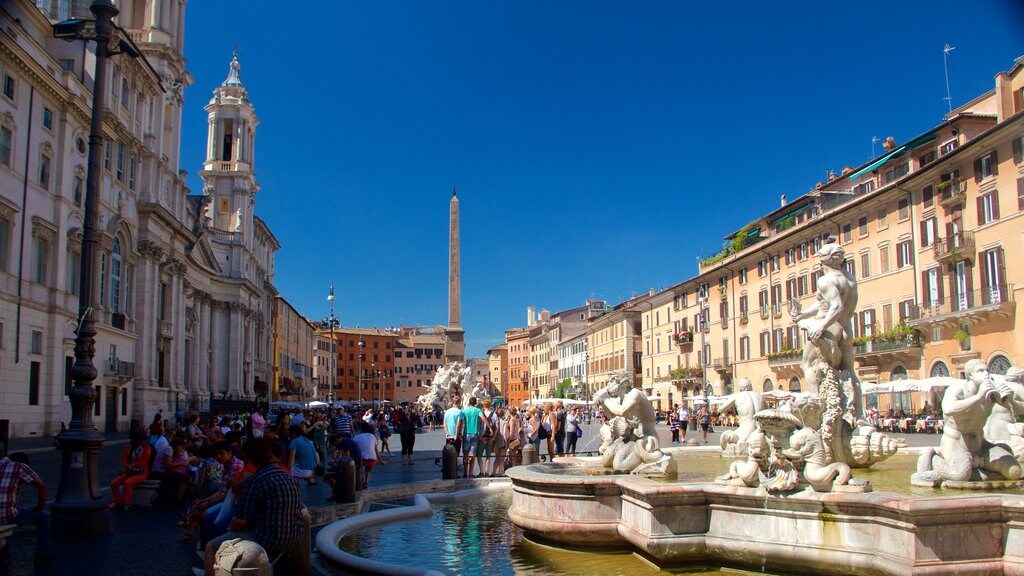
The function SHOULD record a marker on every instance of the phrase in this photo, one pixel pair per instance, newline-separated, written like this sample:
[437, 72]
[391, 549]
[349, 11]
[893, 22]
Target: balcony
[785, 359]
[879, 348]
[683, 338]
[952, 192]
[765, 313]
[777, 310]
[955, 248]
[723, 364]
[972, 307]
[120, 370]
[743, 318]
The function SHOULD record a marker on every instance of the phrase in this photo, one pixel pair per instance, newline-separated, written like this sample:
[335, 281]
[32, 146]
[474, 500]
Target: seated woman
[134, 470]
[175, 478]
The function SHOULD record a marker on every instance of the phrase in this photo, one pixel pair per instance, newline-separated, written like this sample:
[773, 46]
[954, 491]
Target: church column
[177, 360]
[215, 350]
[235, 349]
[147, 317]
[201, 347]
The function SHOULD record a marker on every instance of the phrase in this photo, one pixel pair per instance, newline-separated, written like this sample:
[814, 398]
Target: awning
[793, 212]
[920, 140]
[874, 165]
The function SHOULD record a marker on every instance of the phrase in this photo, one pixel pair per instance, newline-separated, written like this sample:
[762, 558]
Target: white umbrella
[317, 404]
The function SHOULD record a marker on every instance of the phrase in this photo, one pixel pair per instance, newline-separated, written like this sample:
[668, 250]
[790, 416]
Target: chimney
[782, 200]
[847, 170]
[889, 143]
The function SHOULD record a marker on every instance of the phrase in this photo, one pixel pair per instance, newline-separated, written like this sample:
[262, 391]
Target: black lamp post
[332, 322]
[359, 369]
[77, 510]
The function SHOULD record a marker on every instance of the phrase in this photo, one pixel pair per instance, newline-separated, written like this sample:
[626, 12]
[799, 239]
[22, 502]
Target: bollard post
[449, 462]
[345, 481]
[5, 433]
[529, 454]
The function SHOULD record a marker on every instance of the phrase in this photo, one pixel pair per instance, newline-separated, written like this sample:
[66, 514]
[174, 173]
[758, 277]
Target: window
[745, 348]
[883, 218]
[44, 171]
[115, 277]
[6, 141]
[74, 271]
[927, 158]
[41, 260]
[106, 155]
[131, 172]
[775, 263]
[883, 259]
[790, 256]
[744, 306]
[865, 265]
[886, 317]
[36, 344]
[124, 93]
[864, 187]
[1020, 193]
[120, 161]
[928, 231]
[850, 267]
[847, 233]
[802, 254]
[897, 172]
[47, 118]
[5, 242]
[766, 343]
[928, 196]
[762, 268]
[862, 226]
[988, 208]
[904, 254]
[801, 286]
[986, 166]
[903, 209]
[743, 275]
[9, 86]
[103, 284]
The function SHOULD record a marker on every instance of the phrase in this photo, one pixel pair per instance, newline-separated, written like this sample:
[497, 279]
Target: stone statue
[629, 438]
[747, 403]
[1002, 426]
[480, 392]
[448, 383]
[747, 472]
[818, 436]
[964, 454]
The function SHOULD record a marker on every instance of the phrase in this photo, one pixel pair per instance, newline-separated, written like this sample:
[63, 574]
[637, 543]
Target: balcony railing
[955, 247]
[994, 299]
[765, 313]
[952, 191]
[120, 369]
[888, 345]
[721, 363]
[683, 338]
[777, 310]
[785, 358]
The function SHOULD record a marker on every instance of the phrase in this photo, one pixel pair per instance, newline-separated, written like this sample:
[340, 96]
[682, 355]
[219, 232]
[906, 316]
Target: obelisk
[455, 344]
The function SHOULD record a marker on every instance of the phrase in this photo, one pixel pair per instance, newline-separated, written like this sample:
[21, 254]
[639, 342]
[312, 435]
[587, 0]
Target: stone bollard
[529, 454]
[242, 557]
[345, 481]
[449, 462]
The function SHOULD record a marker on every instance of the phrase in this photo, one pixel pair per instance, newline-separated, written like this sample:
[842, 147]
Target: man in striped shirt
[343, 423]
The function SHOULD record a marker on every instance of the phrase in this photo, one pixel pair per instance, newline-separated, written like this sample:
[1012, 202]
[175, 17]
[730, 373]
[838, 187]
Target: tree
[564, 388]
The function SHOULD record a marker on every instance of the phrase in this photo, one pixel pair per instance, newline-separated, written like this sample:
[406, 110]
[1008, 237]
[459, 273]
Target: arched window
[940, 369]
[794, 384]
[899, 373]
[115, 277]
[999, 365]
[767, 385]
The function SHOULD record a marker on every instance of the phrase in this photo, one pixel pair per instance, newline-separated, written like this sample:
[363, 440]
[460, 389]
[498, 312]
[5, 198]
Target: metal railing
[120, 368]
[976, 300]
[785, 359]
[954, 191]
[960, 243]
[879, 345]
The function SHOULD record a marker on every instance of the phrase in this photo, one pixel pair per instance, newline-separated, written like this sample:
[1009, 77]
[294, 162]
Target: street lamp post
[77, 510]
[359, 369]
[332, 322]
[702, 300]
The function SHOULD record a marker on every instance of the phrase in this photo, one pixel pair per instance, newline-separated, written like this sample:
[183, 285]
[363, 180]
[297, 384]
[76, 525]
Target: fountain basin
[805, 532]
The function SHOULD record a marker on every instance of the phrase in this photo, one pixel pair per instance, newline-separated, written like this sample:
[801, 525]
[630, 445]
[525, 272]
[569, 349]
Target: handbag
[579, 432]
[515, 444]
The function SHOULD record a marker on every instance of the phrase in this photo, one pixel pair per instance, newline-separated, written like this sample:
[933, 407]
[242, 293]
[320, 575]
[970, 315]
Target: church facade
[184, 282]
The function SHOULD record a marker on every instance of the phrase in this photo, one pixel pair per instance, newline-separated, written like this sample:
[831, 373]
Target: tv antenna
[945, 64]
[874, 140]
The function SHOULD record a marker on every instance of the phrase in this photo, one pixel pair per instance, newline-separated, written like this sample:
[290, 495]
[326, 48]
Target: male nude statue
[964, 453]
[828, 323]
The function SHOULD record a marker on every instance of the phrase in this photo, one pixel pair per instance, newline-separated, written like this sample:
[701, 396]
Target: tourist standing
[489, 439]
[704, 419]
[368, 449]
[673, 423]
[405, 423]
[500, 442]
[533, 427]
[549, 423]
[452, 430]
[684, 422]
[573, 430]
[559, 428]
[259, 423]
[343, 423]
[472, 423]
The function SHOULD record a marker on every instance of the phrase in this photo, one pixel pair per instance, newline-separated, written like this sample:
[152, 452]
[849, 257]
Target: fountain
[793, 505]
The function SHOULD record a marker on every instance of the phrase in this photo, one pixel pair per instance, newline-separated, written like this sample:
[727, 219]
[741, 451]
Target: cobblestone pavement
[144, 541]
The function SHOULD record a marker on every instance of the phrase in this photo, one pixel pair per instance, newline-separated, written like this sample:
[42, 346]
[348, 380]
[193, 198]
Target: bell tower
[230, 182]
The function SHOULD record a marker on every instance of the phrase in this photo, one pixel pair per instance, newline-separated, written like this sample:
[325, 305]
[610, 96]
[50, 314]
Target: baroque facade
[184, 283]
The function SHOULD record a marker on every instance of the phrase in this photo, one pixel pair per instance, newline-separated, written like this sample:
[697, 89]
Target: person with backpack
[705, 421]
[489, 439]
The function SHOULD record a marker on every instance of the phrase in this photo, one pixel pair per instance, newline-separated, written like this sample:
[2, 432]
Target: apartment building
[613, 343]
[928, 229]
[366, 364]
[540, 361]
[295, 342]
[518, 383]
[497, 366]
[418, 355]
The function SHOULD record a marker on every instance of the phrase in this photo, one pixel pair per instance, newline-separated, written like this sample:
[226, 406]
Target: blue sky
[598, 147]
